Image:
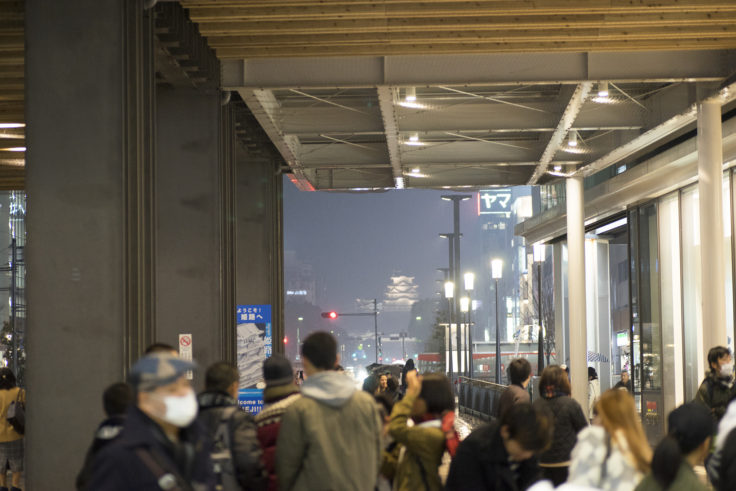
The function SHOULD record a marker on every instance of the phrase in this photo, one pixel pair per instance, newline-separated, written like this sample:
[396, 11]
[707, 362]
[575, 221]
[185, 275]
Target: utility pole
[13, 285]
[375, 324]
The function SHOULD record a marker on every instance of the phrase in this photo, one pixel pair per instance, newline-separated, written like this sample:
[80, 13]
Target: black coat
[245, 448]
[482, 463]
[569, 420]
[119, 468]
[106, 433]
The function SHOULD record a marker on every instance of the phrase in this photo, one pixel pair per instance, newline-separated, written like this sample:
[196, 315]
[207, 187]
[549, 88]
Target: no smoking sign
[185, 350]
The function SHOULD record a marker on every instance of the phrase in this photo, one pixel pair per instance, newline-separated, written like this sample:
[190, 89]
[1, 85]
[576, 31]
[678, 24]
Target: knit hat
[277, 371]
[158, 369]
[690, 424]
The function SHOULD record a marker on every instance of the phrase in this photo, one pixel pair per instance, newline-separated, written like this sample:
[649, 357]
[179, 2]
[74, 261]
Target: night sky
[356, 241]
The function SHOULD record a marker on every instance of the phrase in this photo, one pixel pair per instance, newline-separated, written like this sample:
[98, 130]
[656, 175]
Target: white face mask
[180, 410]
[726, 370]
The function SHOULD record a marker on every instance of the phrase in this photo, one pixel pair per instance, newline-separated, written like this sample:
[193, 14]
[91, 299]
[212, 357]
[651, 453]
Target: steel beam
[568, 118]
[478, 69]
[263, 105]
[386, 97]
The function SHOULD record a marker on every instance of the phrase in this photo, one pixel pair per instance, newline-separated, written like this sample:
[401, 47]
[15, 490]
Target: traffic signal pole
[334, 315]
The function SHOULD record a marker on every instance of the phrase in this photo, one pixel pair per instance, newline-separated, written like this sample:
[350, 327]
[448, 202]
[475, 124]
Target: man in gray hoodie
[331, 437]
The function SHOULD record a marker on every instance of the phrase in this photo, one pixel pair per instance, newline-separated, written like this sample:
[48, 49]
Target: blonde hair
[618, 414]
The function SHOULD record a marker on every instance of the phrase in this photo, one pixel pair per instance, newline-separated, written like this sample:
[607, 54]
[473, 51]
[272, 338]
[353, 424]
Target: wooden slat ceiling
[288, 28]
[11, 95]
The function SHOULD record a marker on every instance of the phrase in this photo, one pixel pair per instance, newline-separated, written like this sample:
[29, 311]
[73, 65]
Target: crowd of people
[395, 434]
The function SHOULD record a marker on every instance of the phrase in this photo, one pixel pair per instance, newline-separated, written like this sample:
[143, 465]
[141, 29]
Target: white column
[576, 291]
[710, 175]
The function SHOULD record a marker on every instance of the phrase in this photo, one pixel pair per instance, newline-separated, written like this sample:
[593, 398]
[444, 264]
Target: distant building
[299, 280]
[400, 294]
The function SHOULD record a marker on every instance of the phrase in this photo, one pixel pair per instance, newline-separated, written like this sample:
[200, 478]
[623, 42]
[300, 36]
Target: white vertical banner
[185, 350]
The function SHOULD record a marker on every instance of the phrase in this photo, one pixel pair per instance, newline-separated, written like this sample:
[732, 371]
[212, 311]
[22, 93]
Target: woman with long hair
[613, 454]
[554, 387]
[686, 445]
[11, 442]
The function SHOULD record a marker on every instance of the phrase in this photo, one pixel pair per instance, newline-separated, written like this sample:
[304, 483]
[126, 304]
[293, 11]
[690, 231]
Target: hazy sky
[357, 241]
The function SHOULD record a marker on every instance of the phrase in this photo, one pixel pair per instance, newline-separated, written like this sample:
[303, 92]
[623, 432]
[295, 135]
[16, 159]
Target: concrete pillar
[576, 291]
[193, 273]
[259, 230]
[710, 175]
[88, 177]
[560, 332]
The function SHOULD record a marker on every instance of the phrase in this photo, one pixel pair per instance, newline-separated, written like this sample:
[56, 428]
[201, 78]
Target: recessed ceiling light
[13, 149]
[12, 125]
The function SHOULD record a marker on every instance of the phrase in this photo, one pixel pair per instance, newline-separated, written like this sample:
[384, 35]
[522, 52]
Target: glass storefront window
[693, 366]
[669, 251]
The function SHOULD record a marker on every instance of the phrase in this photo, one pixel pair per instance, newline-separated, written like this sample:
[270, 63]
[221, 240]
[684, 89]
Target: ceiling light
[558, 168]
[12, 125]
[399, 182]
[414, 137]
[572, 139]
[415, 170]
[411, 94]
[14, 149]
[602, 89]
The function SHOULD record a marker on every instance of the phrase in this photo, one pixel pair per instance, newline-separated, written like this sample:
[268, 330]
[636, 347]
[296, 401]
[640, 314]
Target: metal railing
[479, 399]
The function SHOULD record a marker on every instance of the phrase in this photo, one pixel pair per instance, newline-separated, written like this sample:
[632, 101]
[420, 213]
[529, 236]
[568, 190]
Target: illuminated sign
[297, 292]
[494, 202]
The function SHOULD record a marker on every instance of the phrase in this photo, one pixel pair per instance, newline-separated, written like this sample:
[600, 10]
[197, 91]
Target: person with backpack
[236, 452]
[501, 456]
[430, 403]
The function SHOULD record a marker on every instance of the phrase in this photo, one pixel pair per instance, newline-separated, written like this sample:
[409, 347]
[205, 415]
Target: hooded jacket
[244, 446]
[714, 393]
[330, 438]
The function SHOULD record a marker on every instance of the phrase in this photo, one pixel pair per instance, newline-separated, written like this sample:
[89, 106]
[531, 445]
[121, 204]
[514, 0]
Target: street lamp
[538, 260]
[455, 264]
[496, 274]
[464, 308]
[469, 284]
[449, 294]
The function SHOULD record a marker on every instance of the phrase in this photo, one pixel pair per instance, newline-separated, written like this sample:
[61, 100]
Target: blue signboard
[255, 344]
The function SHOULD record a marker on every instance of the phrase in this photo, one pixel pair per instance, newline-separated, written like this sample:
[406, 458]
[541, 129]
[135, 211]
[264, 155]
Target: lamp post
[449, 294]
[456, 199]
[496, 274]
[469, 284]
[464, 307]
[538, 260]
[451, 278]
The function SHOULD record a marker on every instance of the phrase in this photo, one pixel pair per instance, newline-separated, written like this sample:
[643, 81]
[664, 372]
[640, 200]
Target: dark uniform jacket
[245, 449]
[119, 467]
[482, 463]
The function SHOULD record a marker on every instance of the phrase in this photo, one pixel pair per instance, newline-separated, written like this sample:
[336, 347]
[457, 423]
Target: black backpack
[222, 457]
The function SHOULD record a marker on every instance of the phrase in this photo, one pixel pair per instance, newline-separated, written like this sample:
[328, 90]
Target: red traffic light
[286, 340]
[329, 315]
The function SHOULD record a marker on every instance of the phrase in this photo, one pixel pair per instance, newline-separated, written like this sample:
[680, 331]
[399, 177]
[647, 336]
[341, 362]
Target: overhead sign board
[494, 201]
